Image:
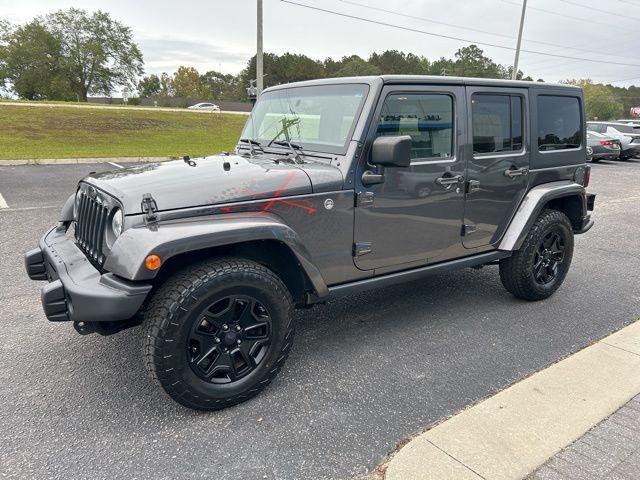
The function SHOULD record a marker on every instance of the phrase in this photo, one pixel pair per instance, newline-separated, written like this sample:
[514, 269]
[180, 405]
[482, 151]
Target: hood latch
[149, 207]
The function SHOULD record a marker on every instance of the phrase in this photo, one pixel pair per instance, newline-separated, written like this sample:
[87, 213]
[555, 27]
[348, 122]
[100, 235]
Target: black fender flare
[171, 238]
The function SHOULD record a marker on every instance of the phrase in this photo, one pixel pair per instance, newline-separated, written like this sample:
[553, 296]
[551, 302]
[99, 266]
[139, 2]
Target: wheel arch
[565, 196]
[259, 237]
[272, 254]
[572, 206]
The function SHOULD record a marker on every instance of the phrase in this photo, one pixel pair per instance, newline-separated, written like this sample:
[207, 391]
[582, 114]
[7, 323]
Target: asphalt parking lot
[365, 372]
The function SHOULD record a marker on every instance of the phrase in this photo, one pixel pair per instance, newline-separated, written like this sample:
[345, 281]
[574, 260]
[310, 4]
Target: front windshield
[319, 118]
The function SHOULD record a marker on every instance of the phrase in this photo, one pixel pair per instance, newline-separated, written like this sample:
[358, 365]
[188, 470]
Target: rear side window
[559, 123]
[497, 123]
[426, 118]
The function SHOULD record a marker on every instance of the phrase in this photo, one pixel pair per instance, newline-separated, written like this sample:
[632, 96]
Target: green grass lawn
[59, 132]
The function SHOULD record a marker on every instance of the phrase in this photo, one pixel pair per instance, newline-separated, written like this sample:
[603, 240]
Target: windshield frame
[308, 146]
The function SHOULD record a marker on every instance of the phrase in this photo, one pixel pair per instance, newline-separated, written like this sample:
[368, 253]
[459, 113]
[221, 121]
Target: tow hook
[84, 328]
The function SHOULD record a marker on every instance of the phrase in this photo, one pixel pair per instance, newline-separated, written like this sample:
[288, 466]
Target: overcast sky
[220, 34]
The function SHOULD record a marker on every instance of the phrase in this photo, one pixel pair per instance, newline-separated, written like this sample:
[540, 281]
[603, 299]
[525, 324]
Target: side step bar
[345, 289]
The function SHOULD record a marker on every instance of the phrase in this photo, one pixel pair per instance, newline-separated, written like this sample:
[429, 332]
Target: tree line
[292, 67]
[71, 54]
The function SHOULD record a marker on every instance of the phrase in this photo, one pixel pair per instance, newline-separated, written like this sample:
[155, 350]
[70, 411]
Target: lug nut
[239, 342]
[217, 340]
[238, 328]
[225, 327]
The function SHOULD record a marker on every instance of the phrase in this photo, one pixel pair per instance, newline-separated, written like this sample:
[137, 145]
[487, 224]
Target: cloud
[167, 54]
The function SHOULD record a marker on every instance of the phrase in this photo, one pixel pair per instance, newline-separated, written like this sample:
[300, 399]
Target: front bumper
[77, 291]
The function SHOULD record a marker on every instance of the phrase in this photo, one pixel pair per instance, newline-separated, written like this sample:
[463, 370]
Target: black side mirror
[391, 151]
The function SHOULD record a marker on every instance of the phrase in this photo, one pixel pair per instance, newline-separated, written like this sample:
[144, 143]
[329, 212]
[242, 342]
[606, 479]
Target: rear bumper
[77, 291]
[606, 154]
[587, 221]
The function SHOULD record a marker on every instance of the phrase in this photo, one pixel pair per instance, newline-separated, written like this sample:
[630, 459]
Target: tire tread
[181, 290]
[515, 270]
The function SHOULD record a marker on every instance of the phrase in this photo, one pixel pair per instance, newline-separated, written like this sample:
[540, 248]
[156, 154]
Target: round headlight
[117, 222]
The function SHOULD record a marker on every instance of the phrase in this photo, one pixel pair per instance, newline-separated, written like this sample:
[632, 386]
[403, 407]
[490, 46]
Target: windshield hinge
[149, 207]
[364, 198]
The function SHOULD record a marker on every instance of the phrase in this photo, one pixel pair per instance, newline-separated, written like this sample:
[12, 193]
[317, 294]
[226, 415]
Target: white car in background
[628, 134]
[212, 107]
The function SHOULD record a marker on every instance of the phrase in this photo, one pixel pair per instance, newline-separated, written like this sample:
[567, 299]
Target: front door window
[426, 118]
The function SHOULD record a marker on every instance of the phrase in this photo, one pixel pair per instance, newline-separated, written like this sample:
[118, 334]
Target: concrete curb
[510, 434]
[71, 161]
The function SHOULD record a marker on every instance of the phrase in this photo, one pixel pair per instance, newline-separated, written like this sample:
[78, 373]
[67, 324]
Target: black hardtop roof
[425, 80]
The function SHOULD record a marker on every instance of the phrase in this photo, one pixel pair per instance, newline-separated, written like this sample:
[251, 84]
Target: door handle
[448, 182]
[516, 172]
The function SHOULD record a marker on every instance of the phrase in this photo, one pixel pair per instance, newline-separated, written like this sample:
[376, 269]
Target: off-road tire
[517, 272]
[179, 302]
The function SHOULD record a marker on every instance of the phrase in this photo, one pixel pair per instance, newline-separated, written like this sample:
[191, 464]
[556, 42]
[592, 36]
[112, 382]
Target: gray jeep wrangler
[336, 186]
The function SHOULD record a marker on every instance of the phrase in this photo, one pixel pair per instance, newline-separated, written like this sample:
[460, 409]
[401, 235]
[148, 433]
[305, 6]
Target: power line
[486, 32]
[606, 12]
[450, 37]
[573, 17]
[428, 20]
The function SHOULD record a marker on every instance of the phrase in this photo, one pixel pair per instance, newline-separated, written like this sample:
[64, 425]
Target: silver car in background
[628, 134]
[603, 147]
[210, 107]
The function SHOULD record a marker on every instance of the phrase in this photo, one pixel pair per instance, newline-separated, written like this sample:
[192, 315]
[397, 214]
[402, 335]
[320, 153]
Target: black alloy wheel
[229, 339]
[538, 268]
[549, 257]
[218, 332]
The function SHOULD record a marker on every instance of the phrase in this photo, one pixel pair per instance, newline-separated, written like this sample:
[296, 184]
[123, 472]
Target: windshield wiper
[296, 149]
[287, 123]
[287, 144]
[251, 144]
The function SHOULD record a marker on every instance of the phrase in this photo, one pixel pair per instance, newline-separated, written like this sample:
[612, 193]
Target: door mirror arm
[387, 152]
[373, 177]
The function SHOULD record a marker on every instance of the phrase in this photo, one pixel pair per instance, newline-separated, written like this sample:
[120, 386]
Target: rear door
[497, 162]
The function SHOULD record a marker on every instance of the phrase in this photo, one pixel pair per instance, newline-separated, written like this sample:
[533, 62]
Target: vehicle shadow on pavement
[326, 333]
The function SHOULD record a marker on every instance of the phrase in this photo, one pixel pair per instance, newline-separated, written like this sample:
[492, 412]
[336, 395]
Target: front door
[498, 162]
[414, 217]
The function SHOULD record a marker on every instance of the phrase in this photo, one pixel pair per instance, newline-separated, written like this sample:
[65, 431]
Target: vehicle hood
[215, 180]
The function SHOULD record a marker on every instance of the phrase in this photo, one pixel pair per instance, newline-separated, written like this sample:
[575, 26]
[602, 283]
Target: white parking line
[3, 203]
[20, 209]
[115, 164]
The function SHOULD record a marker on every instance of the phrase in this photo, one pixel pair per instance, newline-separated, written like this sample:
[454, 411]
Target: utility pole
[259, 54]
[514, 75]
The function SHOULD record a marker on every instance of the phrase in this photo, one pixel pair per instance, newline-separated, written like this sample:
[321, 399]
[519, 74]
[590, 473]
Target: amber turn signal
[152, 262]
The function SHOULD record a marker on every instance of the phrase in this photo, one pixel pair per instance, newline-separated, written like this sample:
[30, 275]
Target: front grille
[91, 221]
